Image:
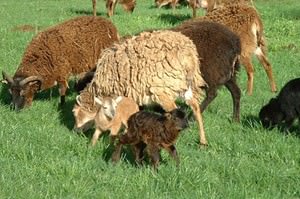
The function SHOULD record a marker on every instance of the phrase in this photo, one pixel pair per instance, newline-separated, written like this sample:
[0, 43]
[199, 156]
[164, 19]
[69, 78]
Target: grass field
[41, 157]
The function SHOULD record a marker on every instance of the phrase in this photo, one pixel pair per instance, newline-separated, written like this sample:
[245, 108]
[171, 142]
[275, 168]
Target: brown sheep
[246, 23]
[209, 5]
[106, 113]
[128, 5]
[194, 4]
[218, 49]
[54, 54]
[155, 131]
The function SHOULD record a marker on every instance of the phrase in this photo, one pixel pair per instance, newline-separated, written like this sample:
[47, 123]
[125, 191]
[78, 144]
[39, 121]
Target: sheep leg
[246, 61]
[193, 103]
[138, 150]
[114, 132]
[63, 85]
[267, 66]
[110, 6]
[173, 153]
[117, 153]
[94, 7]
[211, 94]
[236, 96]
[153, 152]
[166, 103]
[96, 135]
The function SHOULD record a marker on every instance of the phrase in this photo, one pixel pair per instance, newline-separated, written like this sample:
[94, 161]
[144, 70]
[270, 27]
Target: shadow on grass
[85, 12]
[173, 18]
[253, 122]
[292, 14]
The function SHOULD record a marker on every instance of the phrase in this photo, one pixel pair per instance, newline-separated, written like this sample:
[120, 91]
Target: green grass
[40, 156]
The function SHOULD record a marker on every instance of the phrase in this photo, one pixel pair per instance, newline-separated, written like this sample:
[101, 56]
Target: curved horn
[78, 100]
[30, 79]
[7, 78]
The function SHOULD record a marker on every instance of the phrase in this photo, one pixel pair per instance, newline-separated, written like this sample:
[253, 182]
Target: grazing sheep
[53, 55]
[107, 113]
[128, 5]
[152, 67]
[283, 109]
[155, 131]
[218, 49]
[209, 5]
[246, 23]
[194, 4]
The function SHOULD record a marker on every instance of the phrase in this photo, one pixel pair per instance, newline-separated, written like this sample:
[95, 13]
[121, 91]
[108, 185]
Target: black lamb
[284, 109]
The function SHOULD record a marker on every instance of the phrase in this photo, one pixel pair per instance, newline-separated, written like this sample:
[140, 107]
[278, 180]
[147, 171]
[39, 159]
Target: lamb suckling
[58, 52]
[219, 50]
[155, 131]
[152, 67]
[285, 108]
[245, 21]
[106, 113]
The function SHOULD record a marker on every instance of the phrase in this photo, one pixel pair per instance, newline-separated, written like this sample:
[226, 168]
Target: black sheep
[283, 109]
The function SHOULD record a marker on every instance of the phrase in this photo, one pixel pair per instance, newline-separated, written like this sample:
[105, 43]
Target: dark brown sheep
[218, 49]
[155, 131]
[53, 55]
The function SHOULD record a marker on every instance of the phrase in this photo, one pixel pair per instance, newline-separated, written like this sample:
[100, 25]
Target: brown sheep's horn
[30, 79]
[7, 78]
[78, 100]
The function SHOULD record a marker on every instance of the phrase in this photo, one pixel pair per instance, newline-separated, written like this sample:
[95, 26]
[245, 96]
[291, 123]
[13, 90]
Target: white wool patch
[188, 94]
[258, 51]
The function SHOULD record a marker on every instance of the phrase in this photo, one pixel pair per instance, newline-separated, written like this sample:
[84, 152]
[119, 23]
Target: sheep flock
[120, 79]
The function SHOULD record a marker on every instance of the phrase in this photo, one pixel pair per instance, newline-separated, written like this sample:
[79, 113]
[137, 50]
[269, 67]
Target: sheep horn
[30, 79]
[78, 100]
[6, 78]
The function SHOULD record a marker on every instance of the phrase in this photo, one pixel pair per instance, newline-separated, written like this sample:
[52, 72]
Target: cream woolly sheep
[107, 113]
[58, 52]
[152, 67]
[247, 24]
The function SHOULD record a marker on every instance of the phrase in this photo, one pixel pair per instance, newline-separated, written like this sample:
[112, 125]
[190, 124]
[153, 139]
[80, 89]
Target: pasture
[41, 157]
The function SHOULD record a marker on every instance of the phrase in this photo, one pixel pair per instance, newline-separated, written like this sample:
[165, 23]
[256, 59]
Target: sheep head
[271, 114]
[108, 105]
[84, 112]
[177, 118]
[22, 89]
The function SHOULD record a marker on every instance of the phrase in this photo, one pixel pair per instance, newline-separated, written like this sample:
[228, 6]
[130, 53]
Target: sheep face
[271, 114]
[84, 119]
[107, 106]
[178, 118]
[22, 89]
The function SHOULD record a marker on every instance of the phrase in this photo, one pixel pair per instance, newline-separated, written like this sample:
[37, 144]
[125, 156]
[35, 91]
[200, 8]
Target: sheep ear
[118, 99]
[98, 100]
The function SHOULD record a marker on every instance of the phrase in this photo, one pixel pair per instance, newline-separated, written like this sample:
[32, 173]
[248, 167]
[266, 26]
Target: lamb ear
[118, 99]
[6, 78]
[98, 100]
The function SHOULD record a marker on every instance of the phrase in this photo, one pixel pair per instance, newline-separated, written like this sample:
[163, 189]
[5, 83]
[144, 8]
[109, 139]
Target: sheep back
[147, 64]
[69, 48]
[218, 48]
